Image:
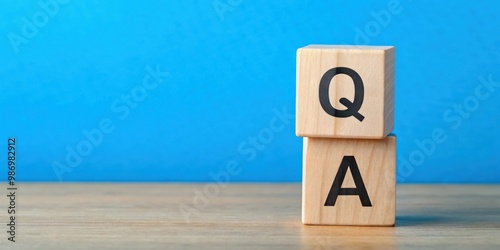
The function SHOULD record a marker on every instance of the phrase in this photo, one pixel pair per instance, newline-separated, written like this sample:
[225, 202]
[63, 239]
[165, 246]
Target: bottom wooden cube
[349, 181]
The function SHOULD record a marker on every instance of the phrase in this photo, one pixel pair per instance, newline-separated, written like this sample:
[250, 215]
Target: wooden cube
[345, 91]
[349, 182]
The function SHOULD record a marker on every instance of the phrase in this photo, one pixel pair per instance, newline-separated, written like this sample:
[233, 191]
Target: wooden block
[345, 91]
[326, 160]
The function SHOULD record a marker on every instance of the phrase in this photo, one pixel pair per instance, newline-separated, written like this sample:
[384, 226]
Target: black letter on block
[352, 107]
[336, 190]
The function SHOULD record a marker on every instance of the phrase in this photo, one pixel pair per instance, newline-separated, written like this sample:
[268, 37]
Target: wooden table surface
[240, 216]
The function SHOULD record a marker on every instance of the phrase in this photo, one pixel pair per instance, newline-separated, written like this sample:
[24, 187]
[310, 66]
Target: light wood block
[339, 67]
[376, 161]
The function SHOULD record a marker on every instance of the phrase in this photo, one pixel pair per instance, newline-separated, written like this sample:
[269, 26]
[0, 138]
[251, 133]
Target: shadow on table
[419, 220]
[478, 217]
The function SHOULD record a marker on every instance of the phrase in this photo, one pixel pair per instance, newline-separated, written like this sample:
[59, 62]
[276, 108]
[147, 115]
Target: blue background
[231, 67]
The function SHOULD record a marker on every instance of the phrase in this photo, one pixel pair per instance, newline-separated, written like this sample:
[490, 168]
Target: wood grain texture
[375, 66]
[376, 161]
[242, 216]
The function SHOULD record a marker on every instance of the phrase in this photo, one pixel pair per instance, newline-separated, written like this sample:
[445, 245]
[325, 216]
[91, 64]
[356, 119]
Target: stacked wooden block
[345, 112]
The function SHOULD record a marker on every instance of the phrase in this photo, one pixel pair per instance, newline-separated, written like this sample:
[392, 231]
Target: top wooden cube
[345, 91]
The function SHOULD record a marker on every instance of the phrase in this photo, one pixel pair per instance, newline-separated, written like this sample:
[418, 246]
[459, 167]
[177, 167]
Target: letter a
[336, 190]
